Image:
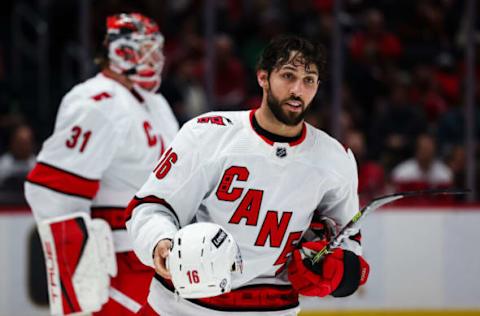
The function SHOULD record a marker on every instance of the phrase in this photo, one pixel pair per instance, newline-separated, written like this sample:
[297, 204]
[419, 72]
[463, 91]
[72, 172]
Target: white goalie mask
[135, 49]
[202, 260]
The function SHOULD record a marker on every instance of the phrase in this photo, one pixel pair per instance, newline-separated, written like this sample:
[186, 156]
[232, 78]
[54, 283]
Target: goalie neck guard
[135, 49]
[202, 260]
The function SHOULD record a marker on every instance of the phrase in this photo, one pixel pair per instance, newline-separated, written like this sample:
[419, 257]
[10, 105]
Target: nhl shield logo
[281, 152]
[223, 285]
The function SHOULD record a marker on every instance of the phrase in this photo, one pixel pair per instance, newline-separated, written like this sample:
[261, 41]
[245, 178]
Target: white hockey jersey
[105, 143]
[219, 169]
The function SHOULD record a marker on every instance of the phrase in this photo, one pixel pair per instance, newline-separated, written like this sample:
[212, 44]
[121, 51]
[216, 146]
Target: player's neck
[267, 120]
[123, 80]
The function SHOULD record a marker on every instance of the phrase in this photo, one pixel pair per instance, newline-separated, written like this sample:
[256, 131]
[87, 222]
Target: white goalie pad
[80, 259]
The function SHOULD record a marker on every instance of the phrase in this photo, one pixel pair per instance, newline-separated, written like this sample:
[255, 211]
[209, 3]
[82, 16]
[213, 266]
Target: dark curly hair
[277, 54]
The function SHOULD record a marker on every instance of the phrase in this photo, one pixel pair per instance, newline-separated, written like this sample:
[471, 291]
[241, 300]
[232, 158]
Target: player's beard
[286, 117]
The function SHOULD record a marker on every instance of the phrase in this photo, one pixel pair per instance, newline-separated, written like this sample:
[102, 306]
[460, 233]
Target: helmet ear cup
[202, 260]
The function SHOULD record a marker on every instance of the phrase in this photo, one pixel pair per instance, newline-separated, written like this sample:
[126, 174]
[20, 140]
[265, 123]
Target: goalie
[267, 178]
[110, 130]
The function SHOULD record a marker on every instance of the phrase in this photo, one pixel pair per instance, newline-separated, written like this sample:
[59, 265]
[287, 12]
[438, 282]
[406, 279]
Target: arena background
[402, 86]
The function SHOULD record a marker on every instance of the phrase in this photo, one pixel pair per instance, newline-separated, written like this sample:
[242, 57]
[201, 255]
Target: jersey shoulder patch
[211, 128]
[220, 118]
[215, 120]
[100, 96]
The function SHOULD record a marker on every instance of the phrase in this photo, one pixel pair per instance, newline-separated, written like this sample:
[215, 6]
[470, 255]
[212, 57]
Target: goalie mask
[135, 49]
[202, 260]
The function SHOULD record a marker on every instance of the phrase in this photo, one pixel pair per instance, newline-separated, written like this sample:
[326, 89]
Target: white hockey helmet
[202, 260]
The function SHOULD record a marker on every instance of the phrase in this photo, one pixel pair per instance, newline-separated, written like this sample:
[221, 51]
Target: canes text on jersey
[249, 209]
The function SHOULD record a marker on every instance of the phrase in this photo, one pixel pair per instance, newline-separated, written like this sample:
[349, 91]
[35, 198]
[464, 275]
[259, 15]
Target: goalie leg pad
[129, 290]
[79, 258]
[147, 310]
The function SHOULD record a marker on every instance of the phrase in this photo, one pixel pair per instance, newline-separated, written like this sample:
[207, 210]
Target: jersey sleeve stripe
[136, 201]
[63, 181]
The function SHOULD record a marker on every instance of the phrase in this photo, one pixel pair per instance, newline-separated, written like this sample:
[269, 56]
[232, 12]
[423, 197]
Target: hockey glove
[323, 227]
[339, 273]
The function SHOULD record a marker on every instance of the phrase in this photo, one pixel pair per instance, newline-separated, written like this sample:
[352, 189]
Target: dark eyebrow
[308, 71]
[288, 67]
[311, 72]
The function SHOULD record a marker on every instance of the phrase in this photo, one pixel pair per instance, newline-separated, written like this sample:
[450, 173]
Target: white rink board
[15, 228]
[422, 259]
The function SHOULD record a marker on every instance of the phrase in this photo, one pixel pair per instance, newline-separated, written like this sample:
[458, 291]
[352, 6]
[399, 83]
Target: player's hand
[160, 253]
[339, 273]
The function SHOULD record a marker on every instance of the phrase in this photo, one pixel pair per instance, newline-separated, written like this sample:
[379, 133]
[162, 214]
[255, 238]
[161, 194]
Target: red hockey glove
[323, 227]
[339, 273]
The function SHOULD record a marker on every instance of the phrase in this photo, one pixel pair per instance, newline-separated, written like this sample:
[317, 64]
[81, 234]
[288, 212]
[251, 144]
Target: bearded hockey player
[268, 178]
[110, 130]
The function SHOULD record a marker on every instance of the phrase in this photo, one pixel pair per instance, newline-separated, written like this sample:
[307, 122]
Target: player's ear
[262, 78]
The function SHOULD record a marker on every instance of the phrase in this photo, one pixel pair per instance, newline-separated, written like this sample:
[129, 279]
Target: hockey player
[265, 176]
[110, 130]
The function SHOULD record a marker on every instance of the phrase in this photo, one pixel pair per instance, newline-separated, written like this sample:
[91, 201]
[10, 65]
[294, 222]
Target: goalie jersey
[264, 192]
[105, 142]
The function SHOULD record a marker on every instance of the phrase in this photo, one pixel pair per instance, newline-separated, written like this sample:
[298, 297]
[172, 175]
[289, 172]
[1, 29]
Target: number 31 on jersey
[78, 137]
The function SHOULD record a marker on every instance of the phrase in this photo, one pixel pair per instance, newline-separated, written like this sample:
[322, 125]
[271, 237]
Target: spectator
[184, 90]
[230, 84]
[374, 51]
[396, 127]
[448, 77]
[375, 43]
[424, 171]
[18, 160]
[451, 128]
[456, 161]
[428, 29]
[371, 175]
[425, 91]
[229, 94]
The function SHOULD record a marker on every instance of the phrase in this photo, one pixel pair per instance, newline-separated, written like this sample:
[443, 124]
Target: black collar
[273, 137]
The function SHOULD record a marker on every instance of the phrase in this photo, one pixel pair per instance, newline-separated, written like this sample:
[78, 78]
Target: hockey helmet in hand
[202, 260]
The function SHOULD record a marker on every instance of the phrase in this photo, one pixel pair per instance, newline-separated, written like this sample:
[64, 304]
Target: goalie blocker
[80, 259]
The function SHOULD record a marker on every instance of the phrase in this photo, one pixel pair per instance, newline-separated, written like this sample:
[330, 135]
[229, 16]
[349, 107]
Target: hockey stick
[376, 203]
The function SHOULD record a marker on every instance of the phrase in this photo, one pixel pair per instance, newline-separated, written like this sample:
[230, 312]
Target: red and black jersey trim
[136, 201]
[271, 138]
[250, 298]
[63, 181]
[301, 138]
[114, 216]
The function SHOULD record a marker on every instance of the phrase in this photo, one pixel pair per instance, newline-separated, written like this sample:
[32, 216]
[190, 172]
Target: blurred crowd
[402, 95]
